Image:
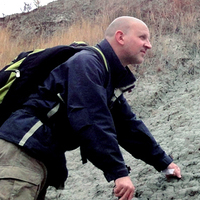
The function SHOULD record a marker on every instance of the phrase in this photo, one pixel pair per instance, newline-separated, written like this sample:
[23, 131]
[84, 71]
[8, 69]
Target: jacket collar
[121, 77]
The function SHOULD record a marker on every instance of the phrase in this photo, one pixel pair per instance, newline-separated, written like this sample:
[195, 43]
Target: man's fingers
[131, 194]
[124, 188]
[128, 195]
[119, 192]
[176, 170]
[124, 193]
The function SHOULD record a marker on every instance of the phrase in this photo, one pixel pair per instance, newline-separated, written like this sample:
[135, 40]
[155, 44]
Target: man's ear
[119, 37]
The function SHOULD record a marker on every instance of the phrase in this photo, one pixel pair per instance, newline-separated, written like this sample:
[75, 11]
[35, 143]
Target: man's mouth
[143, 51]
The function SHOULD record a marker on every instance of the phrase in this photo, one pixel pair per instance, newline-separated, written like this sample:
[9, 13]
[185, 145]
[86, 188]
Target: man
[81, 104]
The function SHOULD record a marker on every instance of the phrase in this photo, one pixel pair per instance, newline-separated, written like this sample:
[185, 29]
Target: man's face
[136, 44]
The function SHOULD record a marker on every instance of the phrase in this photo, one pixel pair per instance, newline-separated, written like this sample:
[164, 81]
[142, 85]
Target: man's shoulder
[88, 59]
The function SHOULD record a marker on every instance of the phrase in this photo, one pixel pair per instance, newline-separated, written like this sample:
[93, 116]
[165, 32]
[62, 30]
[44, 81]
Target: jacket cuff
[164, 163]
[110, 176]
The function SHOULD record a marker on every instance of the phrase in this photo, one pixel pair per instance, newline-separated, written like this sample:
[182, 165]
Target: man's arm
[135, 137]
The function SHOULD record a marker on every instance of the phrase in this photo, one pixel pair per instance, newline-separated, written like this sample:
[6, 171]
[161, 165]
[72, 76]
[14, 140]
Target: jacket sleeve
[134, 136]
[90, 117]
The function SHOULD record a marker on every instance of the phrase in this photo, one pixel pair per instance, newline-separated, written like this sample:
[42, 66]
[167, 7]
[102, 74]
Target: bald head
[129, 38]
[124, 23]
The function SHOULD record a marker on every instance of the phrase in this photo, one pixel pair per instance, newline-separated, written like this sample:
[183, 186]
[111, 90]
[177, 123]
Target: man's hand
[124, 188]
[176, 172]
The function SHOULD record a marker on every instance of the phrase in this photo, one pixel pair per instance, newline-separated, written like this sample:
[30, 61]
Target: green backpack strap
[84, 44]
[13, 72]
[103, 57]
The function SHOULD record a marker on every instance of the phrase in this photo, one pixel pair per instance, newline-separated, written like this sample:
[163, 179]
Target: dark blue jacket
[78, 105]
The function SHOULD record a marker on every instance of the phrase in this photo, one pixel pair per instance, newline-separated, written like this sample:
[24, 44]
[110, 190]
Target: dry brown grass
[5, 47]
[83, 30]
[172, 23]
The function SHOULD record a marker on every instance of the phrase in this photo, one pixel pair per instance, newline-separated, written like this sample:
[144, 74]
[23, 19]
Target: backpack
[23, 75]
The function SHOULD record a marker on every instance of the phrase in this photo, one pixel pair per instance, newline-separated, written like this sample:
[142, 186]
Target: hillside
[59, 15]
[166, 95]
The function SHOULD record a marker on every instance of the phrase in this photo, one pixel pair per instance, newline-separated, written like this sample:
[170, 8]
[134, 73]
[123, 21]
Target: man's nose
[148, 44]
